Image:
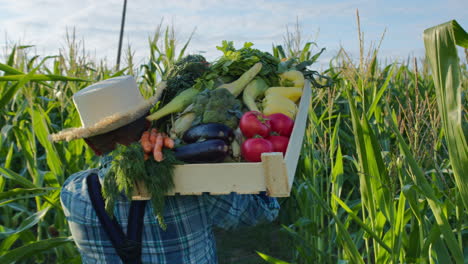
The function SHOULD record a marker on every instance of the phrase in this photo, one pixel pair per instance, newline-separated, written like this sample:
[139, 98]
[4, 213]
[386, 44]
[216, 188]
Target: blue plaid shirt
[188, 238]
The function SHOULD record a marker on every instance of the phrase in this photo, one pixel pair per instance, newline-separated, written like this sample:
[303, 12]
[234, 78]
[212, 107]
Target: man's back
[189, 219]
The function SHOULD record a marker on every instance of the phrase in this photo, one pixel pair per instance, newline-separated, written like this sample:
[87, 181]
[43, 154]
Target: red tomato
[253, 148]
[280, 143]
[254, 123]
[281, 124]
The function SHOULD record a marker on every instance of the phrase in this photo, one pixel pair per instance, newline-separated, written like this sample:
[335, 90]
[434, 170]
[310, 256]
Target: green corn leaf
[40, 78]
[11, 58]
[364, 177]
[376, 171]
[22, 193]
[345, 238]
[9, 70]
[439, 252]
[306, 50]
[304, 248]
[380, 93]
[441, 50]
[426, 190]
[6, 243]
[362, 224]
[26, 145]
[316, 56]
[9, 157]
[22, 79]
[398, 232]
[9, 92]
[280, 51]
[41, 131]
[35, 248]
[182, 51]
[337, 178]
[11, 175]
[119, 73]
[270, 259]
[27, 223]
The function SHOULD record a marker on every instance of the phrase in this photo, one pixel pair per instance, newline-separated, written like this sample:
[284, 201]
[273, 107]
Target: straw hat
[106, 106]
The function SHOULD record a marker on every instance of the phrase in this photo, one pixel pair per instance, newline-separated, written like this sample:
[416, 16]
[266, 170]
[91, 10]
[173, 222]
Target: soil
[240, 245]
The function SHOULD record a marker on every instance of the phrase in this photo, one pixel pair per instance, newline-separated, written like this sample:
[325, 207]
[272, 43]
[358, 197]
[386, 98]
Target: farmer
[113, 112]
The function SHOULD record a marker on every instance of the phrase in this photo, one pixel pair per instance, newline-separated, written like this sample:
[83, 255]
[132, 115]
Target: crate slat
[297, 136]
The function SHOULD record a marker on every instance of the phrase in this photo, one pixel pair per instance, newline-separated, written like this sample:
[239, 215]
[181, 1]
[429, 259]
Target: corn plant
[377, 181]
[163, 54]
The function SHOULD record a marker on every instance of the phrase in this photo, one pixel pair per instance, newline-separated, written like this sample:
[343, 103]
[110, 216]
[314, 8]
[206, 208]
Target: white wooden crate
[274, 174]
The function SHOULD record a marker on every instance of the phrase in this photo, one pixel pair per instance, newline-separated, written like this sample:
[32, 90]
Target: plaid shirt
[189, 219]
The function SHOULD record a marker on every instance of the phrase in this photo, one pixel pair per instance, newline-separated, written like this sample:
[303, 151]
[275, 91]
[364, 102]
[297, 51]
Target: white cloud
[262, 22]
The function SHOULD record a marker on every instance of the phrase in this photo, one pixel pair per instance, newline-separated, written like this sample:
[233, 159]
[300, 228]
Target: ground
[239, 246]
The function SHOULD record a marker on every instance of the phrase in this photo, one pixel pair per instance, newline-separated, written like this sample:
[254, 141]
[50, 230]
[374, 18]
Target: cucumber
[208, 131]
[208, 151]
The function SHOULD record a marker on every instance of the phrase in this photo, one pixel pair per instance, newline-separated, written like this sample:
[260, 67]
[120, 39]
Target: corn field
[383, 173]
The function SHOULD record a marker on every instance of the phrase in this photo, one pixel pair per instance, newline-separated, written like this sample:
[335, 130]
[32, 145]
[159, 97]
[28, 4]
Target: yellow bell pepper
[292, 93]
[274, 103]
[292, 78]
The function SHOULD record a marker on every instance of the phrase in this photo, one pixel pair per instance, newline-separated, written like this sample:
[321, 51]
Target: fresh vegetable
[145, 142]
[281, 124]
[235, 149]
[253, 148]
[208, 131]
[217, 106]
[280, 143]
[168, 143]
[153, 137]
[182, 75]
[128, 166]
[292, 93]
[153, 142]
[157, 151]
[235, 62]
[274, 103]
[252, 91]
[254, 123]
[292, 78]
[178, 104]
[208, 151]
[182, 124]
[236, 87]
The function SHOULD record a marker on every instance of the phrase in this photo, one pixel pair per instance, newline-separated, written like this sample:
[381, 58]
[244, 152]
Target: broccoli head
[193, 65]
[182, 75]
[217, 106]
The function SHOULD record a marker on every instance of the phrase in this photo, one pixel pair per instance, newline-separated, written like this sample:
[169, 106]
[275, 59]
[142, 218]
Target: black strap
[128, 247]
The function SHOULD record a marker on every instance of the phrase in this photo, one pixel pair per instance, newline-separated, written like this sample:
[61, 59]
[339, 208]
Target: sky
[330, 24]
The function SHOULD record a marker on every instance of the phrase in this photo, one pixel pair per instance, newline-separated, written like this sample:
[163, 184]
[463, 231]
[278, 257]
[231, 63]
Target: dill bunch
[128, 166]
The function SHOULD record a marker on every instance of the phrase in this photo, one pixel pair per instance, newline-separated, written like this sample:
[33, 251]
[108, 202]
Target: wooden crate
[274, 174]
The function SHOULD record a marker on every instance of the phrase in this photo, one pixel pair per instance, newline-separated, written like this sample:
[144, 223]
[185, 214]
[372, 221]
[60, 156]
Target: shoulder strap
[127, 247]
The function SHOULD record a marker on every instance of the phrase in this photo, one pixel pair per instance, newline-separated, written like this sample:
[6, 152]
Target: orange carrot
[146, 156]
[153, 135]
[168, 142]
[145, 142]
[157, 151]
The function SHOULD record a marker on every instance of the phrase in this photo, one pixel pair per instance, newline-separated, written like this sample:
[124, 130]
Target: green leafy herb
[235, 62]
[128, 166]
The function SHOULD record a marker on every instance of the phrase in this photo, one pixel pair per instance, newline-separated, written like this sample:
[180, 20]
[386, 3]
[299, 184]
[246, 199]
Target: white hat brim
[109, 123]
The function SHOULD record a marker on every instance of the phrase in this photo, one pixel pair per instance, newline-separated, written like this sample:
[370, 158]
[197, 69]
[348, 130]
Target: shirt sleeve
[236, 210]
